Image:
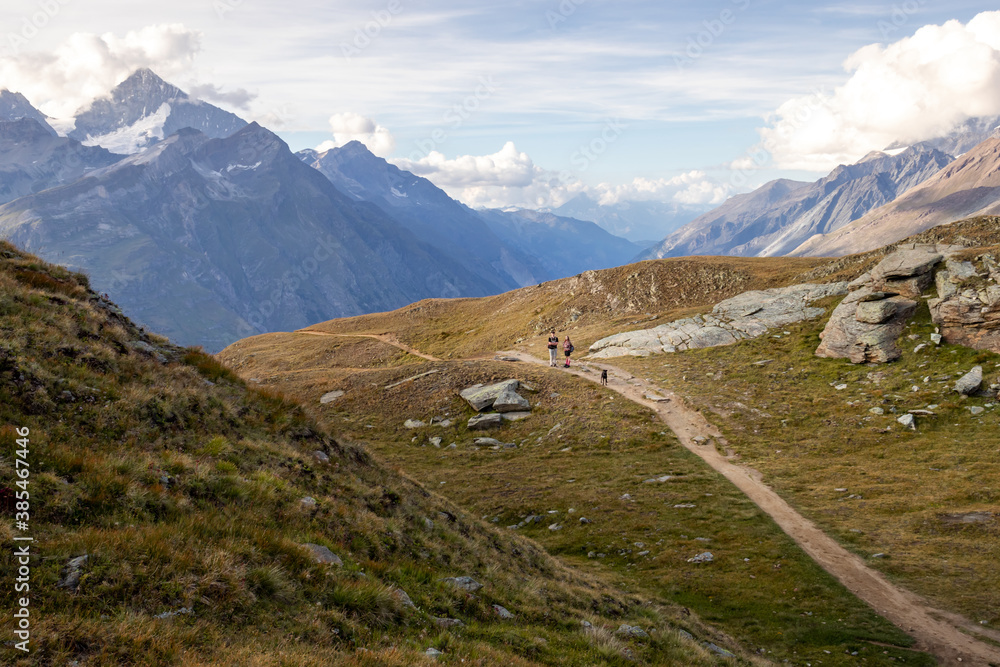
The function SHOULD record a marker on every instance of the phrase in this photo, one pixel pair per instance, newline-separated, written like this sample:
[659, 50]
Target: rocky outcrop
[967, 308]
[867, 324]
[747, 315]
[865, 327]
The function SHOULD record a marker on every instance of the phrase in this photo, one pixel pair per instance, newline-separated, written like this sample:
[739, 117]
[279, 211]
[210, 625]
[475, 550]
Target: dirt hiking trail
[385, 338]
[936, 632]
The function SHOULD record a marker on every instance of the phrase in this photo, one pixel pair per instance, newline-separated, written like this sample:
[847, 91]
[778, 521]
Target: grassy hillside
[927, 501]
[191, 497]
[586, 453]
[590, 303]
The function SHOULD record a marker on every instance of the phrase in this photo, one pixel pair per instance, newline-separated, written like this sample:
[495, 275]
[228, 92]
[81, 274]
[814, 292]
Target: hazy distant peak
[14, 106]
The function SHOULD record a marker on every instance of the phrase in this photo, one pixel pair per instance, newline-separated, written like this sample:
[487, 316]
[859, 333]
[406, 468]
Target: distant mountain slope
[564, 246]
[638, 221]
[210, 240]
[142, 110]
[14, 106]
[967, 187]
[784, 214]
[725, 227]
[430, 214]
[33, 159]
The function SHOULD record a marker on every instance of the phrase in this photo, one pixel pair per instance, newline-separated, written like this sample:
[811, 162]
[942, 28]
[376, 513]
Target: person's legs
[552, 356]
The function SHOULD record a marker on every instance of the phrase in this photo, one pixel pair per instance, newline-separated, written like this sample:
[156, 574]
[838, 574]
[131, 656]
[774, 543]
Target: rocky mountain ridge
[775, 219]
[33, 159]
[968, 186]
[210, 240]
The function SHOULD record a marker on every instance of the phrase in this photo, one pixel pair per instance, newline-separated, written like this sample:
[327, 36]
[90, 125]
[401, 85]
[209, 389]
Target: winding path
[937, 632]
[385, 338]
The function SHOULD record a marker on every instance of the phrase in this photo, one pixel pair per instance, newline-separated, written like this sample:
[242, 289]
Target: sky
[531, 102]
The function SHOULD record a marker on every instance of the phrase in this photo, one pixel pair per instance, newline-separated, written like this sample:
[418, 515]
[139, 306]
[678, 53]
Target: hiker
[567, 350]
[553, 348]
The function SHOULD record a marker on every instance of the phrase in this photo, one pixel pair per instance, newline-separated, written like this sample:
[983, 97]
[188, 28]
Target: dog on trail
[604, 377]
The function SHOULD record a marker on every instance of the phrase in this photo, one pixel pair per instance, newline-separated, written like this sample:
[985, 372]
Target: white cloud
[508, 177]
[693, 188]
[511, 178]
[917, 88]
[349, 127]
[240, 98]
[87, 66]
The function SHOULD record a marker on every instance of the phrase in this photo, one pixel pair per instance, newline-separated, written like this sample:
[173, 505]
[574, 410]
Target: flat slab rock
[747, 315]
[483, 422]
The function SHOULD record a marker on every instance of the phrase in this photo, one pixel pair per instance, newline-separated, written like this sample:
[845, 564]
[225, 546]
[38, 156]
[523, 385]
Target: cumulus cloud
[915, 89]
[349, 127]
[239, 98]
[691, 188]
[510, 178]
[87, 66]
[506, 178]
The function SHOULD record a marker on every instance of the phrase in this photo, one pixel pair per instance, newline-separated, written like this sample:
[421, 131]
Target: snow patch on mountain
[243, 167]
[132, 138]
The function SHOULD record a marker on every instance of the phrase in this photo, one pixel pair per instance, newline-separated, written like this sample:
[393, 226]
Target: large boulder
[970, 383]
[482, 397]
[865, 330]
[510, 401]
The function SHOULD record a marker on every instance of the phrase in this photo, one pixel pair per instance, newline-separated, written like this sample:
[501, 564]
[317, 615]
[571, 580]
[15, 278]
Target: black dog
[604, 377]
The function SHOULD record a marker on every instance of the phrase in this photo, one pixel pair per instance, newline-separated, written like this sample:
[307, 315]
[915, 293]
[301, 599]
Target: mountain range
[967, 187]
[777, 217]
[642, 222]
[209, 229]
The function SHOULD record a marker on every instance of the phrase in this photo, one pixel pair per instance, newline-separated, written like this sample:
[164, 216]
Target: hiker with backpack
[553, 348]
[567, 350]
